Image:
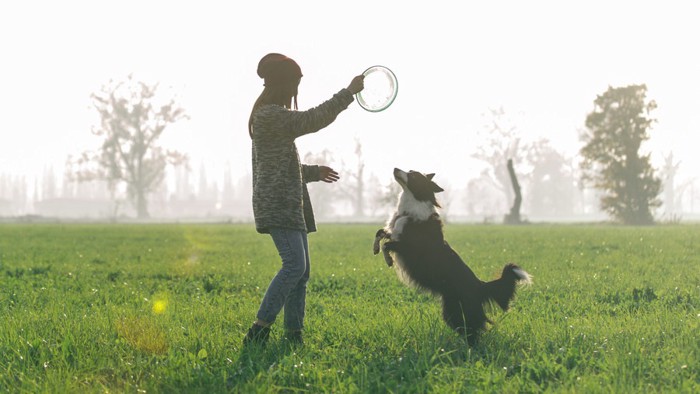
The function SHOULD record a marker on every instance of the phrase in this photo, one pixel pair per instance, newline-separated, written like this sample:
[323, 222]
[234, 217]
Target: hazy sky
[543, 61]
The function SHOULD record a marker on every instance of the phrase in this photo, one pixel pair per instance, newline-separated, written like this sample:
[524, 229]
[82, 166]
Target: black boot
[257, 334]
[294, 337]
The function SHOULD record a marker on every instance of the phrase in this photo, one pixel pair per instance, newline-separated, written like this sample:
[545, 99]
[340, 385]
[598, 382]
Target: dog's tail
[502, 290]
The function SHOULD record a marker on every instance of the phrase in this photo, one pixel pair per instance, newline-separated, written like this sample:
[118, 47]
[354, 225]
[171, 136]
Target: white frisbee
[381, 87]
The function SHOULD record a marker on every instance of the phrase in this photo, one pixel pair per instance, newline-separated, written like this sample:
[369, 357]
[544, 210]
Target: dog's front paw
[378, 237]
[389, 246]
[375, 247]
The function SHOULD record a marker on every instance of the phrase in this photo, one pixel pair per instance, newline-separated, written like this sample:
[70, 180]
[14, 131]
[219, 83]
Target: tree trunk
[514, 216]
[141, 204]
[360, 191]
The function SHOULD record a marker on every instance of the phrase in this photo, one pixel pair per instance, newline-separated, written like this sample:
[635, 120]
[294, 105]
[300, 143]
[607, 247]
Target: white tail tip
[523, 277]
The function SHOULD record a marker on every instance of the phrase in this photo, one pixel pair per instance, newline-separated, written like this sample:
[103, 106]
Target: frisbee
[381, 87]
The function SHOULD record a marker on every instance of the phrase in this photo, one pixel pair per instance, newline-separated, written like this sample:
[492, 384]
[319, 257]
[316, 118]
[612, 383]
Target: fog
[533, 68]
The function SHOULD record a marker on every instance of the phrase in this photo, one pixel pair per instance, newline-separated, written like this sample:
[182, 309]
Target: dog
[413, 239]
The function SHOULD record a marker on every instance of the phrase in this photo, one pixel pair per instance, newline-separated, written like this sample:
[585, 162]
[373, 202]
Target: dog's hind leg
[380, 236]
[453, 315]
[390, 246]
[466, 319]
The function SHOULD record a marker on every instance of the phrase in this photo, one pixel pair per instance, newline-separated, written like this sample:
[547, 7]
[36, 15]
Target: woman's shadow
[256, 358]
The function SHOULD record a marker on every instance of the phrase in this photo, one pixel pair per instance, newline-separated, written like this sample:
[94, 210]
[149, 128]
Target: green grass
[163, 308]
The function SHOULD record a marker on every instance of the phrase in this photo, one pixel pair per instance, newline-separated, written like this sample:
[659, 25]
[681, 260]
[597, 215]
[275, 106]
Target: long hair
[282, 75]
[284, 95]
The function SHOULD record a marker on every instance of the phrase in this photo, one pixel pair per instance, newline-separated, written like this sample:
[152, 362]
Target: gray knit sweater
[280, 197]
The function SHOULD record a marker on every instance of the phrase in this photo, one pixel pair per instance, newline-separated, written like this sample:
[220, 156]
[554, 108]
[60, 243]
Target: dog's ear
[436, 188]
[430, 176]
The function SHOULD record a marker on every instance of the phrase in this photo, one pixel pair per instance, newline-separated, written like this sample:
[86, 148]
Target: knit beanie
[277, 69]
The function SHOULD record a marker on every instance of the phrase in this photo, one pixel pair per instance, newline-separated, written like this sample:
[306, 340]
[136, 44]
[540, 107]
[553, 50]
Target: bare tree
[376, 205]
[668, 176]
[322, 196]
[502, 144]
[513, 217]
[481, 198]
[552, 186]
[228, 193]
[132, 121]
[388, 196]
[49, 184]
[353, 188]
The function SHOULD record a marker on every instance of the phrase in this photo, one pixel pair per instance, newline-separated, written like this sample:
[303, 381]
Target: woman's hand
[357, 84]
[328, 174]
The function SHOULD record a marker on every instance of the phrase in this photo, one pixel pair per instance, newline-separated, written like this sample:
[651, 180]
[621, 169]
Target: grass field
[163, 308]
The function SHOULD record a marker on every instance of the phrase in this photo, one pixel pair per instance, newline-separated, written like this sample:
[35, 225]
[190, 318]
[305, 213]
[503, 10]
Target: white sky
[543, 61]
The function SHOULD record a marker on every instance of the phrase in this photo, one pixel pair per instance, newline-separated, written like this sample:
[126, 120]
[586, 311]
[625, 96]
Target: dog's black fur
[413, 238]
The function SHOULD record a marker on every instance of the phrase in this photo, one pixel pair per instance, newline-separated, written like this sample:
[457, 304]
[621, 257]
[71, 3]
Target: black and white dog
[413, 238]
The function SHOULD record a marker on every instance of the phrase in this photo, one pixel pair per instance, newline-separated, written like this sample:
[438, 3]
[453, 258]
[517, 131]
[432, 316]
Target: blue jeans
[288, 287]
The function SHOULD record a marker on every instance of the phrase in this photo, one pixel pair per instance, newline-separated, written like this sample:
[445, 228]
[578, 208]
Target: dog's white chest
[397, 227]
[408, 209]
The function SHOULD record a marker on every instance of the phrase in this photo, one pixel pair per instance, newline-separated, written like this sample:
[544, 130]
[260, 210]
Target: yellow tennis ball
[159, 306]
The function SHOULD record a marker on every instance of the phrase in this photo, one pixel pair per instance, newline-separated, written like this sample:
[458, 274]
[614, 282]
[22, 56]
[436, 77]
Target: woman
[281, 203]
